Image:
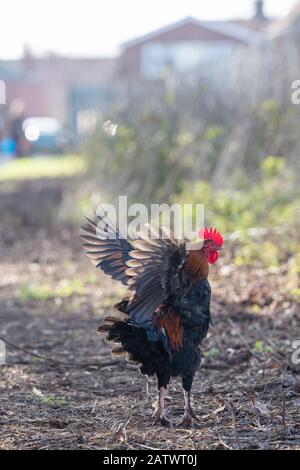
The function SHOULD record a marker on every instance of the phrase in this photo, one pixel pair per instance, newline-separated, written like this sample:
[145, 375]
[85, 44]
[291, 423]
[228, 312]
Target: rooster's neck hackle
[197, 265]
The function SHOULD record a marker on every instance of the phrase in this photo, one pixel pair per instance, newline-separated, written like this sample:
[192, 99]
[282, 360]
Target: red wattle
[212, 257]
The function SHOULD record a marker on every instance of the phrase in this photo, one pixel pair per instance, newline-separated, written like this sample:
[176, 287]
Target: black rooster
[167, 315]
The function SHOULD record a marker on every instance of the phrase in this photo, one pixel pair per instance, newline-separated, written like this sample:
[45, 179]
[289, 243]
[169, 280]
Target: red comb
[211, 234]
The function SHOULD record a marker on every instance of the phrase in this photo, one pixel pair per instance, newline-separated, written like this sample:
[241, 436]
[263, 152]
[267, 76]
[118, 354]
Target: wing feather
[106, 248]
[155, 278]
[151, 269]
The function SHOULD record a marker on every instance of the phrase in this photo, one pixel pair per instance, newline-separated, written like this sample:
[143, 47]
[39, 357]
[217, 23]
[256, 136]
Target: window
[185, 56]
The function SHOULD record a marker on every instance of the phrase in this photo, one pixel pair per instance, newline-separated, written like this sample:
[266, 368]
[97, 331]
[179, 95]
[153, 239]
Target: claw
[164, 421]
[161, 418]
[186, 422]
[188, 418]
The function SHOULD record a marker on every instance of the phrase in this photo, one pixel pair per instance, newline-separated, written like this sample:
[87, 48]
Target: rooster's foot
[188, 418]
[161, 418]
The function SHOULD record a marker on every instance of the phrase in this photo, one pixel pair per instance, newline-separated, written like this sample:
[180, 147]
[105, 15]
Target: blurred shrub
[272, 166]
[192, 144]
[172, 137]
[272, 203]
[164, 137]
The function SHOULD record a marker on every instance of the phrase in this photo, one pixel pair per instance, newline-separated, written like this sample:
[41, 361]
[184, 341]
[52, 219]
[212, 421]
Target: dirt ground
[60, 388]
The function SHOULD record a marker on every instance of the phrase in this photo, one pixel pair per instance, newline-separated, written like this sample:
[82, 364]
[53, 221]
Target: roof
[227, 28]
[282, 26]
[256, 25]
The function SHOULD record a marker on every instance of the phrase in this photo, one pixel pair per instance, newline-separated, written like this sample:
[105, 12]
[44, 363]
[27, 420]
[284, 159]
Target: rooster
[165, 318]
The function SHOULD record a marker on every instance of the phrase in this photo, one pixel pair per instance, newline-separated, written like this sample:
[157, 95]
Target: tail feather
[104, 328]
[123, 305]
[110, 320]
[114, 318]
[119, 351]
[132, 341]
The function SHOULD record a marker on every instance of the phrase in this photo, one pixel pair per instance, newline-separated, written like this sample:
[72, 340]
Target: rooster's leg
[160, 412]
[189, 415]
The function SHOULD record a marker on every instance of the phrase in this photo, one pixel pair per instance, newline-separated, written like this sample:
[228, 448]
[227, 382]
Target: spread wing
[105, 247]
[156, 273]
[153, 269]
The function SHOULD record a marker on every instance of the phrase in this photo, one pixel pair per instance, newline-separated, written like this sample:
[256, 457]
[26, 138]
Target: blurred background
[198, 103]
[160, 106]
[192, 102]
[164, 106]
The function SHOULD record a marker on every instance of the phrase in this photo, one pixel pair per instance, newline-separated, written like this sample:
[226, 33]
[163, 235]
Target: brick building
[189, 44]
